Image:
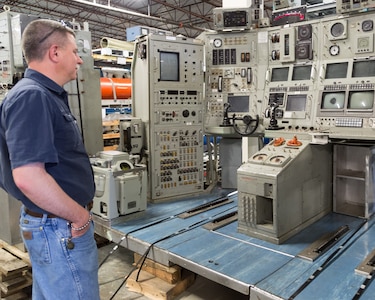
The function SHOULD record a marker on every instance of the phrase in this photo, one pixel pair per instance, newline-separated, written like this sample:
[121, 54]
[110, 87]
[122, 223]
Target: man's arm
[37, 185]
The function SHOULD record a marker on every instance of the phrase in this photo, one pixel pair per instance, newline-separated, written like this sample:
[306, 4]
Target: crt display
[361, 100]
[301, 72]
[276, 98]
[296, 103]
[280, 74]
[333, 100]
[363, 68]
[238, 103]
[235, 18]
[169, 66]
[336, 70]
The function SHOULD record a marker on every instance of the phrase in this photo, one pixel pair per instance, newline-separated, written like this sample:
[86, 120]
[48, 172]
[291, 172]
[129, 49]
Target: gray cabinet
[353, 192]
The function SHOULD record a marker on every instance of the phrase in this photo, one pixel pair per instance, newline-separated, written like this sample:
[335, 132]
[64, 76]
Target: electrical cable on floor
[327, 262]
[112, 251]
[117, 245]
[144, 256]
[131, 271]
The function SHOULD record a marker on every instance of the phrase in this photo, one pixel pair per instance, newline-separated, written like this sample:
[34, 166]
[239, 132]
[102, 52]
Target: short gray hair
[40, 34]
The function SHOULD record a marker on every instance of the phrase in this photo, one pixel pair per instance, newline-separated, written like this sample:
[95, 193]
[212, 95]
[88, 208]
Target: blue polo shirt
[36, 125]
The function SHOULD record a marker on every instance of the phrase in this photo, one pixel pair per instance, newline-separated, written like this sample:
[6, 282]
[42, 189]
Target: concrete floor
[118, 265]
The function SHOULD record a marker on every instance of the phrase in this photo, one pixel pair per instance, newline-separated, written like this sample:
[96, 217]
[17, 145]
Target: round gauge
[278, 159]
[218, 43]
[337, 29]
[334, 50]
[363, 42]
[367, 25]
[260, 157]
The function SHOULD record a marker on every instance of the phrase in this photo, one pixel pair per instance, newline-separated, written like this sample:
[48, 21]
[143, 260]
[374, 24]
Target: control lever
[271, 113]
[226, 120]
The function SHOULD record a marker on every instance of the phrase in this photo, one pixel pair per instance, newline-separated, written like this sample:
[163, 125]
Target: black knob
[185, 113]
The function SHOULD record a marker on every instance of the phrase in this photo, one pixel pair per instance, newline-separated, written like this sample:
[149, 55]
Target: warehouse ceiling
[110, 18]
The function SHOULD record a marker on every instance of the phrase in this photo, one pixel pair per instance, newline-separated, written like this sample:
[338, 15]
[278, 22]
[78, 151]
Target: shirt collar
[45, 81]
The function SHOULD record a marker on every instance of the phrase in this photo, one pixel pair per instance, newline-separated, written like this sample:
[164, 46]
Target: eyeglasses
[63, 23]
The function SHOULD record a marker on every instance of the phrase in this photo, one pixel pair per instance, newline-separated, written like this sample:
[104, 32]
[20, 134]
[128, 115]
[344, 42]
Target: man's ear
[53, 53]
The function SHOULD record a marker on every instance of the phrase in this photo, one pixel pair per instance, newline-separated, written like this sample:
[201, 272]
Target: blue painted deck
[249, 265]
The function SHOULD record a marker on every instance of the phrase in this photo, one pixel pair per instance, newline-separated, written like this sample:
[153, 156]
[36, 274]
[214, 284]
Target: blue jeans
[60, 273]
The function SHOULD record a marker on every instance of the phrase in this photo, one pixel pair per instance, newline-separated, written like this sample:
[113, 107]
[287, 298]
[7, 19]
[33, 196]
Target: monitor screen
[301, 72]
[336, 70]
[276, 98]
[333, 100]
[235, 18]
[363, 68]
[296, 103]
[361, 100]
[238, 103]
[169, 66]
[280, 74]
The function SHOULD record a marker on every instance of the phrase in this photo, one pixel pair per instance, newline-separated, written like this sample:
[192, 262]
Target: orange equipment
[294, 142]
[115, 88]
[278, 141]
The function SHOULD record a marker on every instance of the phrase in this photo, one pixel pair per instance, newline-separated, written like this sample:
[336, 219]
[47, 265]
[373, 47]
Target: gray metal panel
[9, 218]
[171, 109]
[230, 160]
[85, 97]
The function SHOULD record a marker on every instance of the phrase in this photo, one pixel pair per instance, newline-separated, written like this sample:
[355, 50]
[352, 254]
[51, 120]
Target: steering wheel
[249, 123]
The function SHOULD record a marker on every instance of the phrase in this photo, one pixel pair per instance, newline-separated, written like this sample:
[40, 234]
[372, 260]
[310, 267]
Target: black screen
[280, 74]
[301, 72]
[296, 103]
[336, 70]
[238, 103]
[169, 66]
[363, 68]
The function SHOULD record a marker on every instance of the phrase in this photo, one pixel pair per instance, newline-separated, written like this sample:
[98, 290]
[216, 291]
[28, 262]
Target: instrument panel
[309, 77]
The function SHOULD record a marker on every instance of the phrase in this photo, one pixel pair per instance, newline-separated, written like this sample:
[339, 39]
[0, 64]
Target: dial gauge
[334, 50]
[218, 43]
[337, 29]
[367, 25]
[363, 42]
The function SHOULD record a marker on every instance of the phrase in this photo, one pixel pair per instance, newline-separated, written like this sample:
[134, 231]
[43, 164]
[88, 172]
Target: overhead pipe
[125, 11]
[133, 13]
[107, 42]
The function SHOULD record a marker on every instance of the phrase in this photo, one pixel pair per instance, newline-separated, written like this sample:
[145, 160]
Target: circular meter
[363, 43]
[334, 50]
[218, 43]
[367, 25]
[337, 29]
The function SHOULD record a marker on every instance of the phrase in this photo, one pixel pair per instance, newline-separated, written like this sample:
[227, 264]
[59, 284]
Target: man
[43, 163]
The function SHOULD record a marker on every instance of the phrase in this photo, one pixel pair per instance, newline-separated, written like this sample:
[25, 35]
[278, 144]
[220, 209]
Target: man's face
[71, 60]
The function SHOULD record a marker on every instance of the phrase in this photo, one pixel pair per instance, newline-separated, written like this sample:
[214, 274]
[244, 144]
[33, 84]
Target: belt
[50, 216]
[38, 215]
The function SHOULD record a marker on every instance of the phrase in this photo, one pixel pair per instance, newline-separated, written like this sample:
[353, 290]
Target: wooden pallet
[170, 274]
[15, 276]
[159, 282]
